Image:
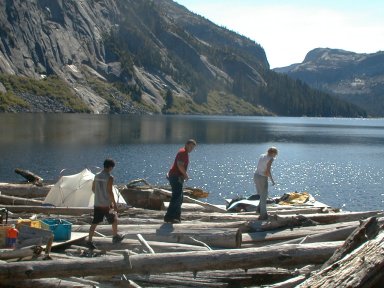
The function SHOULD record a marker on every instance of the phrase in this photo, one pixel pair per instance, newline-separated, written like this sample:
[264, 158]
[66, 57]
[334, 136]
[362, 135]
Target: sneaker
[91, 245]
[118, 238]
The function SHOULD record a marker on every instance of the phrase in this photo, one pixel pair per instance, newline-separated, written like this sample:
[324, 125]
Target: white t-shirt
[262, 164]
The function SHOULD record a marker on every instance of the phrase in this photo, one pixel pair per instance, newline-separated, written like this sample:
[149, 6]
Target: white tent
[76, 191]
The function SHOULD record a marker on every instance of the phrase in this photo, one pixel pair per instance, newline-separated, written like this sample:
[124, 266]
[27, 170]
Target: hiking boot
[91, 245]
[118, 238]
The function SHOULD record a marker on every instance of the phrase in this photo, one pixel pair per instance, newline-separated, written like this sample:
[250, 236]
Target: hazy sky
[289, 29]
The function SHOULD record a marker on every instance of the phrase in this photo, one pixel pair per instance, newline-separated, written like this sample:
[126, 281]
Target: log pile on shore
[298, 246]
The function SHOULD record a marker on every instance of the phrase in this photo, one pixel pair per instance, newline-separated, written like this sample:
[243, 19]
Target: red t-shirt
[182, 156]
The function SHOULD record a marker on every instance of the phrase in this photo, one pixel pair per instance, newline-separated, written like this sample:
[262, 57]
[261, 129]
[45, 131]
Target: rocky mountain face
[64, 38]
[140, 56]
[357, 78]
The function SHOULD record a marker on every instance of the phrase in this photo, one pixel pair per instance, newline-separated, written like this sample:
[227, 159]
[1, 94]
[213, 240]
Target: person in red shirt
[176, 177]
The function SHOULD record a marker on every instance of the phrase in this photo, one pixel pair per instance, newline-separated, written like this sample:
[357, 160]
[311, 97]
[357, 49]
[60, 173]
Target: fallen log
[138, 221]
[187, 199]
[343, 216]
[85, 252]
[145, 243]
[13, 200]
[191, 207]
[142, 197]
[83, 281]
[294, 220]
[16, 254]
[75, 211]
[187, 207]
[339, 234]
[133, 191]
[46, 283]
[363, 267]
[124, 222]
[29, 176]
[290, 283]
[278, 256]
[105, 252]
[150, 222]
[277, 222]
[214, 237]
[292, 233]
[327, 218]
[184, 225]
[158, 247]
[131, 284]
[295, 210]
[217, 278]
[59, 256]
[367, 231]
[193, 216]
[204, 216]
[24, 190]
[170, 280]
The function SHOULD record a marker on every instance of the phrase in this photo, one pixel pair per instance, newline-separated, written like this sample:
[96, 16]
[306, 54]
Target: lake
[338, 161]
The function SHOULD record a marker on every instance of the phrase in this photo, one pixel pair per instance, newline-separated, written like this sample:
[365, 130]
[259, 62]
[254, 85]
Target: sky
[289, 29]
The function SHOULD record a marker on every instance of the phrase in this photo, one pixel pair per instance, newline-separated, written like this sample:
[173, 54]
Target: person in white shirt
[262, 173]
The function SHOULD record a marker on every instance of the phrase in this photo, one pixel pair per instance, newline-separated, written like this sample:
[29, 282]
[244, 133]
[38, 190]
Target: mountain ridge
[142, 57]
[354, 77]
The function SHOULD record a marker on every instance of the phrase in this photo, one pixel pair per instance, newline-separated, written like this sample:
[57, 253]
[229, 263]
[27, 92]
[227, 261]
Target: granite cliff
[140, 56]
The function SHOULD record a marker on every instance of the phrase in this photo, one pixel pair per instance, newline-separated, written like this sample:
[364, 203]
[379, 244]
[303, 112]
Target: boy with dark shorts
[105, 204]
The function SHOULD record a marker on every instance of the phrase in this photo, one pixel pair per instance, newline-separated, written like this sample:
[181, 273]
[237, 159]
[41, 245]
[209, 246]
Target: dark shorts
[100, 212]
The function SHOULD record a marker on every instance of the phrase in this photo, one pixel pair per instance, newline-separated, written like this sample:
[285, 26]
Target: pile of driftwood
[298, 246]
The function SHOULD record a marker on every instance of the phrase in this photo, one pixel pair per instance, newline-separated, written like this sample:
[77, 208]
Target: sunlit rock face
[357, 78]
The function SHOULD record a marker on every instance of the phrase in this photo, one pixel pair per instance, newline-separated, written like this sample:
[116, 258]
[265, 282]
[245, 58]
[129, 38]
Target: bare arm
[268, 172]
[110, 193]
[180, 165]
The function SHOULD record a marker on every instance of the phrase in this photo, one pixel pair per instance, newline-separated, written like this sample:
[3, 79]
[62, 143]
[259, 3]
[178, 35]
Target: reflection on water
[124, 129]
[337, 160]
[80, 129]
[116, 129]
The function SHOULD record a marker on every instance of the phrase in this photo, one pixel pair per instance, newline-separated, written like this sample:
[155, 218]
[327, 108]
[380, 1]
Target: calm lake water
[338, 161]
